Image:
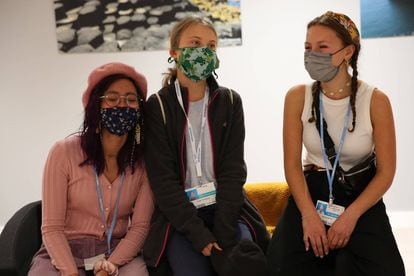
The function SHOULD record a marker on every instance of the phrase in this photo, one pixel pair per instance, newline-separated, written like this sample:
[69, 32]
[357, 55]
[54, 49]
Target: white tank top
[358, 144]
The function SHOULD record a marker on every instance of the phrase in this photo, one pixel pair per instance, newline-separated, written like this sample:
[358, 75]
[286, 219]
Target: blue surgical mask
[119, 120]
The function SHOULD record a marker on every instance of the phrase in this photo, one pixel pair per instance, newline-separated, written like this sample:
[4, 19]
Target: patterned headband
[346, 22]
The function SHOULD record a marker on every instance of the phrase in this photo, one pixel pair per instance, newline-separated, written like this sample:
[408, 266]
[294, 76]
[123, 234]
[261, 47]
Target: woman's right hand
[207, 250]
[314, 234]
[104, 267]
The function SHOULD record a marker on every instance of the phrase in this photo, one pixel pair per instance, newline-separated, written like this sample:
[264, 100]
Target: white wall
[40, 89]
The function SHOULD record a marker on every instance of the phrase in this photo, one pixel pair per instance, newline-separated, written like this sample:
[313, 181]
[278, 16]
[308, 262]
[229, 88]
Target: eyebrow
[199, 37]
[117, 92]
[317, 42]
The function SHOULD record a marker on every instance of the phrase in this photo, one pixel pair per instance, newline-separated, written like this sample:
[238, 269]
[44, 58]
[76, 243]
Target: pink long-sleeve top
[70, 207]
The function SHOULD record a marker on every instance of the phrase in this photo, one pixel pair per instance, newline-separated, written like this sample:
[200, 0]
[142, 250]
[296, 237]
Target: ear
[173, 54]
[349, 51]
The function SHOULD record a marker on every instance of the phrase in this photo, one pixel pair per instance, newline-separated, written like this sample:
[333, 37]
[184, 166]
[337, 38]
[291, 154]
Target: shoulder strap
[162, 107]
[329, 144]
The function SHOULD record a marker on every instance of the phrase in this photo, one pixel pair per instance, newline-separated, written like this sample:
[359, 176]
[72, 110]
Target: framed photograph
[137, 25]
[387, 18]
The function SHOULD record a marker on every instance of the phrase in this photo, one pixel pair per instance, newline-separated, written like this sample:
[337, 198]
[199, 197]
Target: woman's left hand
[341, 230]
[207, 250]
[105, 266]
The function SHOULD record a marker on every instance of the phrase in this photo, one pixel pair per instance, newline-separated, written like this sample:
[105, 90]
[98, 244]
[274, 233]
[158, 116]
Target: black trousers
[371, 250]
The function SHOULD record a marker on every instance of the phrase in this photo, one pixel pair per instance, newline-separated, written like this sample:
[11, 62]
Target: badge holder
[90, 262]
[328, 212]
[203, 195]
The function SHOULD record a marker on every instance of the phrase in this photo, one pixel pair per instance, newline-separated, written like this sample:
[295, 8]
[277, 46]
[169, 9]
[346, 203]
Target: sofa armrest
[270, 198]
[20, 239]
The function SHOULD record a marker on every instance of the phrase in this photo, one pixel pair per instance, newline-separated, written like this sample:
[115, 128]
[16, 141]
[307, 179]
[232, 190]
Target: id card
[89, 262]
[203, 195]
[328, 213]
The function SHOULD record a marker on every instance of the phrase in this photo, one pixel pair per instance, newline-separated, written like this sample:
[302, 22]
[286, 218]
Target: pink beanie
[113, 69]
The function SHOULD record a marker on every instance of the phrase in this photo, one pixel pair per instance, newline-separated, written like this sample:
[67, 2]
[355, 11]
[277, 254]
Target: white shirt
[358, 144]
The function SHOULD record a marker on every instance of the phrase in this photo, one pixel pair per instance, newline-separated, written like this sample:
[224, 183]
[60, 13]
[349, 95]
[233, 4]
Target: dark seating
[20, 239]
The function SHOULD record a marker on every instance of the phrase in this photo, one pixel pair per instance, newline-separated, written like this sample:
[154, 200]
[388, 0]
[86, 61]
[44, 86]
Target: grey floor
[405, 241]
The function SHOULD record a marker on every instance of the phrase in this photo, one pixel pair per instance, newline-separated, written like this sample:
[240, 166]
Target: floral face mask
[197, 63]
[119, 120]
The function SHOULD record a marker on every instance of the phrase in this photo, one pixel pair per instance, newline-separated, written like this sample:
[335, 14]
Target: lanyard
[331, 175]
[109, 231]
[196, 151]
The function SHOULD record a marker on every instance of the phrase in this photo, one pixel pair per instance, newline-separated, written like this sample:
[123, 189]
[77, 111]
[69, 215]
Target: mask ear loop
[215, 74]
[334, 53]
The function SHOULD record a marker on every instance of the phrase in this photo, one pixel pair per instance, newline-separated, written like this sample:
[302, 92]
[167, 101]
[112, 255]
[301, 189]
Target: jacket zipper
[164, 245]
[183, 164]
[211, 135]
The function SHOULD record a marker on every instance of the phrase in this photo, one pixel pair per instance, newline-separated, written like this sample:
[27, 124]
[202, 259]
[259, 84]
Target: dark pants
[371, 250]
[184, 260]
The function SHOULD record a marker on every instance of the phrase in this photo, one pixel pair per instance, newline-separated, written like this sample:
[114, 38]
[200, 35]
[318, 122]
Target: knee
[135, 267]
[42, 265]
[345, 262]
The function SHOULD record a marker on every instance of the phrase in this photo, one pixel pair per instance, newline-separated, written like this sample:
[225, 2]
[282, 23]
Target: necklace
[340, 90]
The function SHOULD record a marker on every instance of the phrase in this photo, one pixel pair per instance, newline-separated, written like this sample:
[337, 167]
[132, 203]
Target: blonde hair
[175, 37]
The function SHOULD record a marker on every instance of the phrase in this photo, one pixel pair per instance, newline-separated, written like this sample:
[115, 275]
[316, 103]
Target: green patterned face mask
[197, 63]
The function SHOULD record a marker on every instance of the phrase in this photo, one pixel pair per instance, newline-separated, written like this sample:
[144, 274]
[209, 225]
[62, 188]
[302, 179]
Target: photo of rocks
[387, 18]
[84, 26]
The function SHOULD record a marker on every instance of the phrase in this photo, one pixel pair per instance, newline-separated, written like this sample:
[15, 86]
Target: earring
[138, 134]
[170, 60]
[98, 128]
[131, 161]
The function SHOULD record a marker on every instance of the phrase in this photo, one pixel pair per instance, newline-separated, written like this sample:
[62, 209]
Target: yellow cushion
[270, 198]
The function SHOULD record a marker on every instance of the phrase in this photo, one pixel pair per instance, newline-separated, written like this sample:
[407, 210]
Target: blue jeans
[185, 261]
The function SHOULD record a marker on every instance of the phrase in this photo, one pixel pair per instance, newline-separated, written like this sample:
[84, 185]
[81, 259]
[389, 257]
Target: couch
[270, 198]
[20, 239]
[21, 236]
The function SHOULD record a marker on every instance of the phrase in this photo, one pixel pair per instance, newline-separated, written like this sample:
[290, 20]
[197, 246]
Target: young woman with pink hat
[96, 202]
